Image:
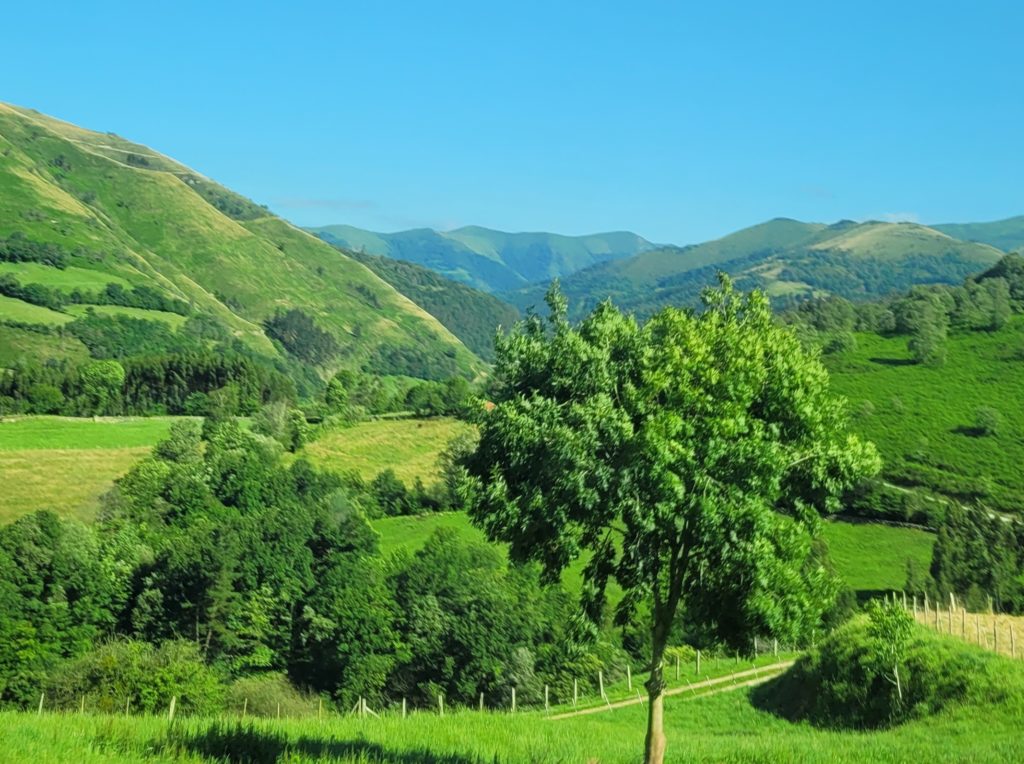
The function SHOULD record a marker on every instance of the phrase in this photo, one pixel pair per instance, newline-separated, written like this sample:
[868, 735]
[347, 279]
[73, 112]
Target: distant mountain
[1007, 235]
[92, 219]
[788, 258]
[470, 314]
[493, 261]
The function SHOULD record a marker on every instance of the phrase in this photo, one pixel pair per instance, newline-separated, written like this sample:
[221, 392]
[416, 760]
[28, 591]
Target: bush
[140, 675]
[988, 421]
[845, 682]
[269, 695]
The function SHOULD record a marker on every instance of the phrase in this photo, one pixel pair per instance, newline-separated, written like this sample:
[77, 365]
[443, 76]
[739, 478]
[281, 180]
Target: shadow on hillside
[246, 744]
[894, 361]
[970, 432]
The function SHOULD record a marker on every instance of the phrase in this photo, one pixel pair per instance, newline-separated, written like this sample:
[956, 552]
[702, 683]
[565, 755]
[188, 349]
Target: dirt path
[751, 676]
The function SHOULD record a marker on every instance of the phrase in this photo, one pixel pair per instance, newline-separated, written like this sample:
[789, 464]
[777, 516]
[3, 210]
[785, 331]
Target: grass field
[63, 279]
[722, 727]
[869, 557]
[922, 418]
[27, 313]
[408, 446]
[66, 464]
[173, 319]
[873, 557]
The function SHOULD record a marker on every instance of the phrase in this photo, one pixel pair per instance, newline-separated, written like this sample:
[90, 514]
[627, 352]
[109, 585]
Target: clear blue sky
[680, 121]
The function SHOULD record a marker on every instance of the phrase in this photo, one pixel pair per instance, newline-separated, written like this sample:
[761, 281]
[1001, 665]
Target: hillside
[1007, 235]
[80, 210]
[470, 314]
[493, 261]
[923, 417]
[788, 258]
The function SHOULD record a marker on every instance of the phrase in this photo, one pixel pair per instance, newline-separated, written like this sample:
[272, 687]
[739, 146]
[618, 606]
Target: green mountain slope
[788, 258]
[489, 260]
[471, 315]
[120, 212]
[1007, 235]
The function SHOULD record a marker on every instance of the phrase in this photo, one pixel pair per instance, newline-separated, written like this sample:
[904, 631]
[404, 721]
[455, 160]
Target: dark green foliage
[471, 315]
[36, 294]
[231, 204]
[16, 248]
[125, 336]
[978, 550]
[1010, 269]
[412, 362]
[300, 336]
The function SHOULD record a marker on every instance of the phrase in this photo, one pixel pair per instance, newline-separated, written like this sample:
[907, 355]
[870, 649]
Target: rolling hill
[493, 261]
[81, 209]
[1006, 234]
[788, 258]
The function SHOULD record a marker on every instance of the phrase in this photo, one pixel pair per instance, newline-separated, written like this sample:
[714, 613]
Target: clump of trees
[301, 337]
[215, 560]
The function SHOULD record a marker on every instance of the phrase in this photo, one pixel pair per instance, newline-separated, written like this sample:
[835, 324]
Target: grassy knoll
[66, 464]
[408, 446]
[923, 417]
[873, 557]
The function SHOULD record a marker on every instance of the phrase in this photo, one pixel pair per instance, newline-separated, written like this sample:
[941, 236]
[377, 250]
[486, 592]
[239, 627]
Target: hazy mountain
[490, 260]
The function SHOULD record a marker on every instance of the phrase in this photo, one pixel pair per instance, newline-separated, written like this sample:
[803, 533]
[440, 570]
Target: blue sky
[680, 121]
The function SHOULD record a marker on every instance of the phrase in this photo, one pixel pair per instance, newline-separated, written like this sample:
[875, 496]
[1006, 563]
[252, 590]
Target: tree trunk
[654, 747]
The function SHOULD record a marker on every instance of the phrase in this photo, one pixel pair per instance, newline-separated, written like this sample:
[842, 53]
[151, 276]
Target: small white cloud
[900, 217]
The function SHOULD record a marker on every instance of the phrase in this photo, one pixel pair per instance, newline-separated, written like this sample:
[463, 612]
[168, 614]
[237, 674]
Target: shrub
[140, 675]
[268, 695]
[988, 421]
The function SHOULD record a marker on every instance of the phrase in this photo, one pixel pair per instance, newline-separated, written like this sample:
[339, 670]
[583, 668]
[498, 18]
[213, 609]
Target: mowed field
[66, 464]
[410, 447]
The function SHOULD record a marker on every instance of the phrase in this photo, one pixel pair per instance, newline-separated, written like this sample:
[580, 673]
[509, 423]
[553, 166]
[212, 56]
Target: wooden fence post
[677, 667]
[440, 703]
[629, 678]
[170, 712]
[42, 696]
[128, 705]
[279, 710]
[403, 708]
[481, 702]
[547, 705]
[513, 700]
[698, 662]
[245, 708]
[600, 682]
[775, 647]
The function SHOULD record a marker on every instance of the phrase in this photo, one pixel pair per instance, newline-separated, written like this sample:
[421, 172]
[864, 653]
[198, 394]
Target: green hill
[493, 261]
[80, 210]
[1007, 235]
[470, 314]
[788, 258]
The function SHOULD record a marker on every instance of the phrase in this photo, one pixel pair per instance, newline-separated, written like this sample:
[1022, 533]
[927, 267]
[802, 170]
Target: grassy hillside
[490, 260]
[122, 213]
[470, 314]
[1007, 235]
[66, 464]
[923, 417]
[785, 257]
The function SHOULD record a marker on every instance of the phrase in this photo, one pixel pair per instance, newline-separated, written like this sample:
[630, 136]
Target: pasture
[66, 464]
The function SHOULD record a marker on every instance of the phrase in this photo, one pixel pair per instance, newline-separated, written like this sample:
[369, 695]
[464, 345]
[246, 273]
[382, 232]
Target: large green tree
[689, 458]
